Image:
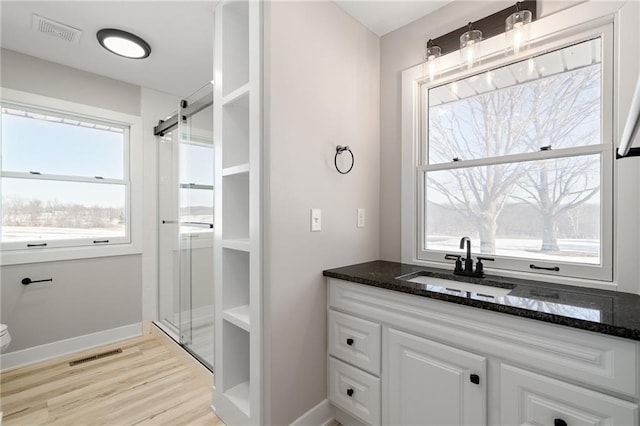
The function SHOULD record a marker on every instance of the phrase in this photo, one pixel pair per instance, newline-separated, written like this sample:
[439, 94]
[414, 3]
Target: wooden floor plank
[145, 384]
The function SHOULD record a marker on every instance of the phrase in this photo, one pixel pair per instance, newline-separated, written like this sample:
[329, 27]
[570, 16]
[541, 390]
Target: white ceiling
[382, 17]
[180, 34]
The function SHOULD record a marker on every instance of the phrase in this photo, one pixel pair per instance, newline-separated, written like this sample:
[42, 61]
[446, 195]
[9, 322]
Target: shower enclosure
[185, 229]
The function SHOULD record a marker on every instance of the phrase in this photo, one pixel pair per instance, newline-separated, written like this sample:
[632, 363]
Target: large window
[519, 159]
[65, 180]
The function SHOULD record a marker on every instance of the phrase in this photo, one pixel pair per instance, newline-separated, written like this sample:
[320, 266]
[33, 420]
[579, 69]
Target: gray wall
[88, 295]
[34, 75]
[402, 49]
[322, 90]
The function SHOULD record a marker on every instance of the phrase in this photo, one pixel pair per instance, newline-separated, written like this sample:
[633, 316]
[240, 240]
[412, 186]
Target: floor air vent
[95, 357]
[55, 29]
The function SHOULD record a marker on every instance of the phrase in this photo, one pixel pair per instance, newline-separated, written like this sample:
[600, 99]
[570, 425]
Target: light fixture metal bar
[490, 26]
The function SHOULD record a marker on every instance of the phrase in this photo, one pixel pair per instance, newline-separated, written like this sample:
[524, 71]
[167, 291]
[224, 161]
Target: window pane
[196, 164]
[547, 210]
[549, 100]
[49, 144]
[53, 210]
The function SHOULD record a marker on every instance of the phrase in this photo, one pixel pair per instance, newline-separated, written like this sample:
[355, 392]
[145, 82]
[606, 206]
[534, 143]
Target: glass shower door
[195, 217]
[185, 205]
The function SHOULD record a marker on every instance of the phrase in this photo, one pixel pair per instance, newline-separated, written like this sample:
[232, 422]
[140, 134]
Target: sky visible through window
[49, 147]
[56, 172]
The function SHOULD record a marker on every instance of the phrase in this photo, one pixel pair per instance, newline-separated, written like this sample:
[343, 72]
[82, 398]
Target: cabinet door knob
[559, 422]
[350, 393]
[349, 341]
[475, 379]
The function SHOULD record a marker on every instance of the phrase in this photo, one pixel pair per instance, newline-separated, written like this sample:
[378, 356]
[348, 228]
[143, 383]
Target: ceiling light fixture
[517, 30]
[470, 47]
[431, 55]
[123, 43]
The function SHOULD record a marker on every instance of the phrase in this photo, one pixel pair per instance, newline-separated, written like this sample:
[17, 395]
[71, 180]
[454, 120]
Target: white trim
[322, 414]
[133, 175]
[11, 360]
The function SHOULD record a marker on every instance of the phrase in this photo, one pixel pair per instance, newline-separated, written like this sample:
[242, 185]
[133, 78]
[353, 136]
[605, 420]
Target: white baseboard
[11, 360]
[322, 414]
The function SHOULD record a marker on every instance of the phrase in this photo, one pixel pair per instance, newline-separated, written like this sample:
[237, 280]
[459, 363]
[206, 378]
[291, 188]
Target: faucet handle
[456, 257]
[480, 266]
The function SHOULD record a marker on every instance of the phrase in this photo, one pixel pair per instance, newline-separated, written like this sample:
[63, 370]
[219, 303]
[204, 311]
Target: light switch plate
[360, 222]
[316, 220]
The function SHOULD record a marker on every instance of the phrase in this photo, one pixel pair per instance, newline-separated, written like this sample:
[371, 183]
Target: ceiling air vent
[55, 29]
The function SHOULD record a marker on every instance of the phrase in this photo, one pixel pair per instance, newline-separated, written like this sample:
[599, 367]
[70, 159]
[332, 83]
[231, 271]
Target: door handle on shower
[194, 224]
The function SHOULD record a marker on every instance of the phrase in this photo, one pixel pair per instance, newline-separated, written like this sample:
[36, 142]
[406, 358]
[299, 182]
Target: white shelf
[236, 170]
[239, 395]
[236, 95]
[239, 316]
[243, 244]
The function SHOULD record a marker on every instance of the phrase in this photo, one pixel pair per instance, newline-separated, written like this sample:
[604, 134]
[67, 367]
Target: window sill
[542, 279]
[19, 257]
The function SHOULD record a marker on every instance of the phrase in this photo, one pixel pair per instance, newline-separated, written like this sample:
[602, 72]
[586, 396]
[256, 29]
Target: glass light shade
[470, 49]
[430, 65]
[124, 47]
[518, 31]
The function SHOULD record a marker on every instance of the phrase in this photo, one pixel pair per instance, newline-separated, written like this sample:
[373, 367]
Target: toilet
[5, 337]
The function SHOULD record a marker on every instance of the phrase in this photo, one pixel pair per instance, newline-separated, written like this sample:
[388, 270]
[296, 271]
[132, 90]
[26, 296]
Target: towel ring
[339, 150]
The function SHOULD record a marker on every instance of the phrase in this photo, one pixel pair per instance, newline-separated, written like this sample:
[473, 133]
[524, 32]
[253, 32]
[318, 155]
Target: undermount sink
[440, 285]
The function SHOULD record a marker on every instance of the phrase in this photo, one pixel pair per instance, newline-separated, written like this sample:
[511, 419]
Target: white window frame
[547, 34]
[17, 252]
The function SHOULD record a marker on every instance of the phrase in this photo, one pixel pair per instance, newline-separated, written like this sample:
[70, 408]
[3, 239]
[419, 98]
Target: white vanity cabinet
[428, 380]
[399, 359]
[532, 399]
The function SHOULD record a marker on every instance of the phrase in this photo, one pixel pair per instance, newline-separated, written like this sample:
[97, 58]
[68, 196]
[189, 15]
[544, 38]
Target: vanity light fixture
[517, 30]
[470, 47]
[431, 55]
[123, 43]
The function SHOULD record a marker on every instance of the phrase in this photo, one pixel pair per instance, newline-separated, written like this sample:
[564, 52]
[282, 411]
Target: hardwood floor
[147, 384]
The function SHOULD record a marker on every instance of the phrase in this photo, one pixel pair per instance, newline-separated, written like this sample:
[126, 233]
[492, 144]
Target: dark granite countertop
[599, 311]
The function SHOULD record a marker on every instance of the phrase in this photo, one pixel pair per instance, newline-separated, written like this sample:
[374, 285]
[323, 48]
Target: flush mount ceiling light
[518, 30]
[123, 43]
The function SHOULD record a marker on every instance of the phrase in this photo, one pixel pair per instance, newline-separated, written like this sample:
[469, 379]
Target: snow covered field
[571, 250]
[34, 233]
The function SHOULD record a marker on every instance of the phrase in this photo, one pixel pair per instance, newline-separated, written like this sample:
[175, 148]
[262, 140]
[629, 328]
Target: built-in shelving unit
[237, 252]
[236, 170]
[240, 316]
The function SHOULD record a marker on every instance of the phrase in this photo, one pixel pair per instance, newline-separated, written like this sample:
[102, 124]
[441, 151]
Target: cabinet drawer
[354, 391]
[355, 341]
[529, 398]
